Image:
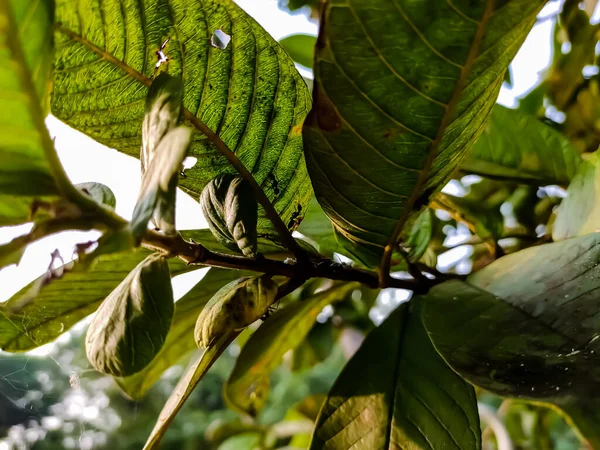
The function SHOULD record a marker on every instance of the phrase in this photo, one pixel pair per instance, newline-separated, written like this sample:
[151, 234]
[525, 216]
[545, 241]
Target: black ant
[162, 58]
[296, 219]
[270, 310]
[274, 184]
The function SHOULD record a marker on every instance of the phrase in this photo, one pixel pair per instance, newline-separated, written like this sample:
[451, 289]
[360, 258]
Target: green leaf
[235, 306]
[586, 417]
[184, 388]
[397, 392]
[159, 141]
[162, 113]
[316, 347]
[250, 93]
[518, 146]
[318, 228]
[527, 325]
[282, 331]
[12, 252]
[407, 87]
[48, 306]
[579, 213]
[533, 102]
[420, 235]
[243, 441]
[301, 47]
[156, 199]
[99, 192]
[132, 323]
[180, 340]
[26, 49]
[231, 210]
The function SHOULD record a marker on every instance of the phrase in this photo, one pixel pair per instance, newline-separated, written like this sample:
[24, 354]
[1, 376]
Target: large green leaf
[283, 331]
[579, 213]
[249, 93]
[527, 326]
[518, 146]
[31, 318]
[397, 392]
[26, 51]
[180, 340]
[402, 90]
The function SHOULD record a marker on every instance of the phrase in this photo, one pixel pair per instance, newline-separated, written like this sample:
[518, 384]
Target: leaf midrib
[435, 145]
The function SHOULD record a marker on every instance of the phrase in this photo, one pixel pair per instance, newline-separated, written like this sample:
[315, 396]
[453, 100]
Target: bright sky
[86, 160]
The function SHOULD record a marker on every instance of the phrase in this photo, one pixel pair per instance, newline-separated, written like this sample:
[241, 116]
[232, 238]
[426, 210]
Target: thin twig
[270, 211]
[193, 253]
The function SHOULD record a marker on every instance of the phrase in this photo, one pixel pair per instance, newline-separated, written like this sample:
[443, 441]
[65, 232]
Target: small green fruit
[231, 210]
[235, 306]
[132, 323]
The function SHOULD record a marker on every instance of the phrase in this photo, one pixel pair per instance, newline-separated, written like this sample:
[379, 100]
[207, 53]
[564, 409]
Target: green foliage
[249, 93]
[413, 97]
[180, 339]
[404, 104]
[542, 333]
[248, 384]
[578, 213]
[99, 192]
[538, 154]
[26, 47]
[118, 341]
[398, 392]
[235, 306]
[164, 147]
[231, 211]
[301, 47]
[57, 300]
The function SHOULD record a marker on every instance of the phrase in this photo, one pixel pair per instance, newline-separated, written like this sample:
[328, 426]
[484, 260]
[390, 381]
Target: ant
[270, 310]
[296, 219]
[162, 58]
[274, 184]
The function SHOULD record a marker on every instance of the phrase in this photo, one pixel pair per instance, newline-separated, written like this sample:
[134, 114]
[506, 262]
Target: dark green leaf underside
[250, 93]
[527, 325]
[397, 392]
[407, 87]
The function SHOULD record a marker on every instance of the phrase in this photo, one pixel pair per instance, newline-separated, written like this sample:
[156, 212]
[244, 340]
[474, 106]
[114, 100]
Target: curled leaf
[231, 210]
[156, 199]
[162, 111]
[235, 306]
[164, 147]
[99, 192]
[132, 323]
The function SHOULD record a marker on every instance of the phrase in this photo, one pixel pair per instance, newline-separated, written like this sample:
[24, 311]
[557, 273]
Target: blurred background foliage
[58, 401]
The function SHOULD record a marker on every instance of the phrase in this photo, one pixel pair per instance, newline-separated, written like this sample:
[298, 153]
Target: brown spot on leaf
[323, 113]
